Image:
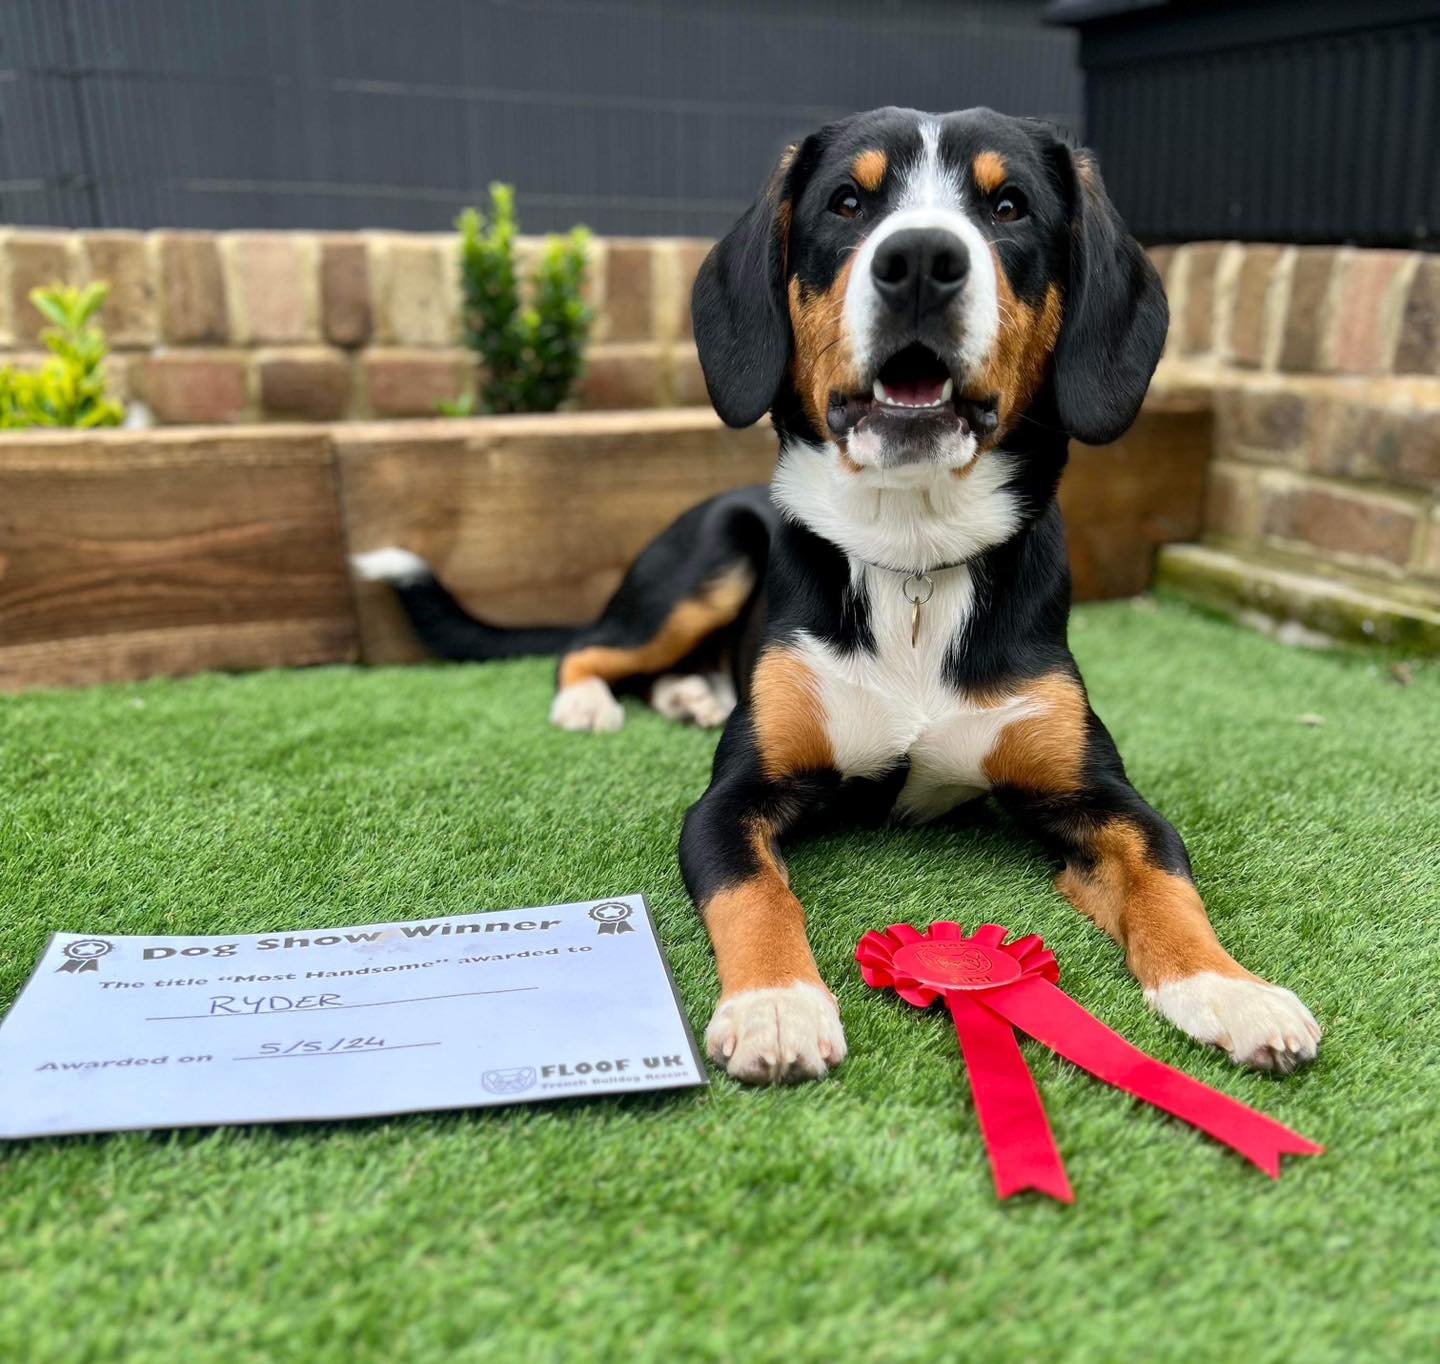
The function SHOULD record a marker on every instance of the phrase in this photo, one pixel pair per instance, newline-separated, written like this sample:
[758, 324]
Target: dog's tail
[445, 627]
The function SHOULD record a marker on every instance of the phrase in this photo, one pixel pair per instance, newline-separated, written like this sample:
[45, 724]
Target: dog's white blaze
[931, 196]
[895, 703]
[915, 517]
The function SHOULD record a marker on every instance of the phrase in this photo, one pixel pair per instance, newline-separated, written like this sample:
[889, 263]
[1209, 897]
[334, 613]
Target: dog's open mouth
[914, 384]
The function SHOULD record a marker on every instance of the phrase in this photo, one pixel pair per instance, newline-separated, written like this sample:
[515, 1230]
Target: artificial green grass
[852, 1219]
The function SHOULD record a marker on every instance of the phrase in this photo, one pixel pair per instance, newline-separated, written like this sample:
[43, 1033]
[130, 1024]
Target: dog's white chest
[895, 704]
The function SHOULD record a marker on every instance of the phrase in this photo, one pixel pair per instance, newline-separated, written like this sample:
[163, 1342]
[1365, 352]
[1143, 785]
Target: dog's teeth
[947, 391]
[878, 389]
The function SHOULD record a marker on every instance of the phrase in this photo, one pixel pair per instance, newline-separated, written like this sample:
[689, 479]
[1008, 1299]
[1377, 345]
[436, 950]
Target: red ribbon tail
[1049, 1015]
[1018, 1140]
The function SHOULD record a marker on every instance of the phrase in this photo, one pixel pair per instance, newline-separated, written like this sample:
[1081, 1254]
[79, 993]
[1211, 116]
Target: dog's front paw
[767, 1037]
[1258, 1025]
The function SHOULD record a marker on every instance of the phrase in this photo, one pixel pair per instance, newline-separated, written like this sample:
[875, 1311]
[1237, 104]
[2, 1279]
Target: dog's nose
[919, 270]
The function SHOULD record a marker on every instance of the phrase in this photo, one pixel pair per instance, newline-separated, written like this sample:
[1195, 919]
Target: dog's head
[908, 286]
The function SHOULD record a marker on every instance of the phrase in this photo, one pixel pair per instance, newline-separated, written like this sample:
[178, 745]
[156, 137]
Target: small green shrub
[69, 388]
[530, 356]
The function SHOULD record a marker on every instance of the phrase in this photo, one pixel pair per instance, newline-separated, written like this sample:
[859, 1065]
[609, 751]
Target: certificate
[515, 1006]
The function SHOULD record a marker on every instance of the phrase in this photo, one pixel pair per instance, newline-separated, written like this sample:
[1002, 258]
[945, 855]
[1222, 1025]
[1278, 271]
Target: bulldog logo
[515, 1080]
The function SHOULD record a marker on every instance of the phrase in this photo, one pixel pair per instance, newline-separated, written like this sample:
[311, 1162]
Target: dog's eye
[845, 203]
[1008, 205]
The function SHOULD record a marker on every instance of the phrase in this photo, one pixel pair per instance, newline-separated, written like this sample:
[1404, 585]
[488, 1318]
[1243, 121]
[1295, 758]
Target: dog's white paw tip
[587, 707]
[1256, 1024]
[690, 698]
[776, 1035]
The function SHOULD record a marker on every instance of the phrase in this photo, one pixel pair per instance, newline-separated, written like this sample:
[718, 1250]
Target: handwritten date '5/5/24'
[340, 1044]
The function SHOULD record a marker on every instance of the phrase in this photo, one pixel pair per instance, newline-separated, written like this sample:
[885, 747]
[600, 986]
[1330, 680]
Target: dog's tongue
[914, 392]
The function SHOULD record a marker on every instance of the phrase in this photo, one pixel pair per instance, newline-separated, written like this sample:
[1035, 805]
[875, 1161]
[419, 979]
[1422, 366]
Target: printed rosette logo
[612, 916]
[84, 955]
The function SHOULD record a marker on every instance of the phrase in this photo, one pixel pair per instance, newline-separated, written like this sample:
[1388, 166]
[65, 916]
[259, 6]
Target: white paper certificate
[516, 1006]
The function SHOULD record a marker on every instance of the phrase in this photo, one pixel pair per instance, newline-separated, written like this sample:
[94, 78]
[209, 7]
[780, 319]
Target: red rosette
[920, 967]
[991, 988]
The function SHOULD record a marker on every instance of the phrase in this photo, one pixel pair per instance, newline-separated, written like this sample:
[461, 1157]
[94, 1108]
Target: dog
[929, 308]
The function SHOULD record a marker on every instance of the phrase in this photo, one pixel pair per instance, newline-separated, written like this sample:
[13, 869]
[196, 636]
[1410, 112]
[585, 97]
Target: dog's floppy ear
[1116, 315]
[739, 309]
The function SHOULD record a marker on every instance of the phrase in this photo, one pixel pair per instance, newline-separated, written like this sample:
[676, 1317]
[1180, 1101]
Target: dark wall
[629, 115]
[1267, 120]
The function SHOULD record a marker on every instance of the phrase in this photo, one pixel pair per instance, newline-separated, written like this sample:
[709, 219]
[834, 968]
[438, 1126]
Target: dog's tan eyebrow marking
[990, 171]
[869, 169]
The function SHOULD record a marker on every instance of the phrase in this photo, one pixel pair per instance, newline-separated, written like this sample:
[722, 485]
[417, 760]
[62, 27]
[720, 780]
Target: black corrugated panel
[635, 116]
[1271, 120]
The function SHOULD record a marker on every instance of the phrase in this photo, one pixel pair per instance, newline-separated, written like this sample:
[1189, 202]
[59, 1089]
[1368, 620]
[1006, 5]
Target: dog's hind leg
[664, 629]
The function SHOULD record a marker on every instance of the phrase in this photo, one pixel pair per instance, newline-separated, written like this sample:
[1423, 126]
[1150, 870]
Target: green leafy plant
[530, 354]
[69, 388]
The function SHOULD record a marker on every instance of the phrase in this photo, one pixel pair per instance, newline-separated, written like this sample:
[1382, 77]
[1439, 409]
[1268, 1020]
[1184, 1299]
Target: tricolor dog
[929, 308]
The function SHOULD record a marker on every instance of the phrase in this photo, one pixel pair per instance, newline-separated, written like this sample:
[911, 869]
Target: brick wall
[239, 326]
[1322, 365]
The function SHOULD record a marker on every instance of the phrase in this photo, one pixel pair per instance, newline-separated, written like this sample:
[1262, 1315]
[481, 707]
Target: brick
[345, 291]
[1355, 438]
[687, 379]
[1272, 425]
[592, 291]
[271, 284]
[311, 384]
[1306, 311]
[1428, 563]
[36, 260]
[196, 386]
[1387, 445]
[122, 260]
[1252, 304]
[629, 292]
[1419, 463]
[119, 370]
[1357, 341]
[1197, 331]
[623, 376]
[413, 383]
[1418, 350]
[691, 256]
[417, 300]
[1162, 257]
[1232, 502]
[191, 288]
[1339, 522]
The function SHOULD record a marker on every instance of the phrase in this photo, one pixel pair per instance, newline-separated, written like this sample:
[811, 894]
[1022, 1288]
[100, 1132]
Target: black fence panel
[1267, 120]
[634, 116]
